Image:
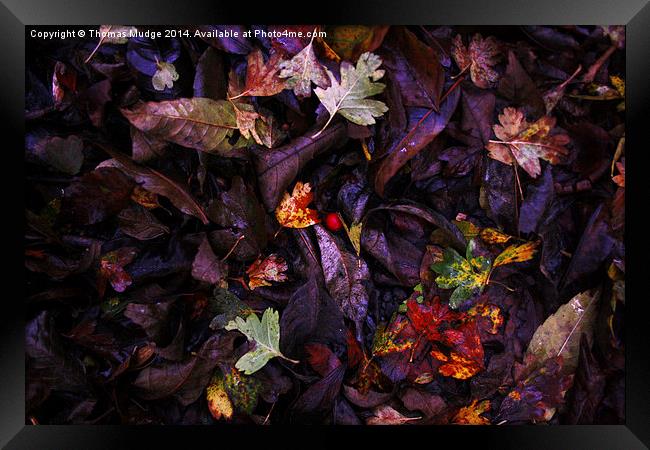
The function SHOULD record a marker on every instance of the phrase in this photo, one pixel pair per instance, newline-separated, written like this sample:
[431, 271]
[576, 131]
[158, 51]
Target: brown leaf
[156, 182]
[516, 85]
[480, 58]
[206, 266]
[277, 169]
[262, 271]
[139, 223]
[424, 127]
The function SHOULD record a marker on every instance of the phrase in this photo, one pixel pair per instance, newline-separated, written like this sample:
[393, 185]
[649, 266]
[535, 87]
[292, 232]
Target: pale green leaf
[302, 70]
[265, 334]
[164, 76]
[349, 98]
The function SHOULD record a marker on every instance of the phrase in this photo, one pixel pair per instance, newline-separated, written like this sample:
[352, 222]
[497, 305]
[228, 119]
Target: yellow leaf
[354, 234]
[471, 414]
[494, 236]
[218, 402]
[516, 253]
[292, 212]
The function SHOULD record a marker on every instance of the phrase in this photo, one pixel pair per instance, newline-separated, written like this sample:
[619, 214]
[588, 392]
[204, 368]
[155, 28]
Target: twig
[233, 248]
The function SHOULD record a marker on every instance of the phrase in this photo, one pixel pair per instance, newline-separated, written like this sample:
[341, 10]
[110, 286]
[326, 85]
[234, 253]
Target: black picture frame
[15, 15]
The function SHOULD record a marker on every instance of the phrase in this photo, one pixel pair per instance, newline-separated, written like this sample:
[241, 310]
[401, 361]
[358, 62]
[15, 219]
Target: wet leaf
[206, 266]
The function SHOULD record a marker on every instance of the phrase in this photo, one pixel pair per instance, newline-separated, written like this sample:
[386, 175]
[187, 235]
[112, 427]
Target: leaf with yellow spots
[263, 271]
[494, 236]
[516, 253]
[354, 234]
[292, 212]
[457, 366]
[386, 338]
[490, 312]
[467, 276]
[243, 390]
[219, 403]
[471, 414]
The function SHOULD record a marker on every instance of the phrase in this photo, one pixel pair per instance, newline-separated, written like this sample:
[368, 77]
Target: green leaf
[467, 276]
[265, 334]
[349, 97]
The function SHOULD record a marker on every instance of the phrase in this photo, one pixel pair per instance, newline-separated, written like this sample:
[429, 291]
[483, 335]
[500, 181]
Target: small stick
[233, 248]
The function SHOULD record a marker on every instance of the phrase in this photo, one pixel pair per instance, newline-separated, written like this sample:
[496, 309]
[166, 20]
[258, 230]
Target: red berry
[333, 222]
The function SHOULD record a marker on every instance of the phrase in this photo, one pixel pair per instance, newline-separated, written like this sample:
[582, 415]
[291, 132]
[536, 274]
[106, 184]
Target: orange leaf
[494, 236]
[293, 212]
[145, 198]
[219, 403]
[471, 414]
[516, 253]
[271, 268]
[263, 79]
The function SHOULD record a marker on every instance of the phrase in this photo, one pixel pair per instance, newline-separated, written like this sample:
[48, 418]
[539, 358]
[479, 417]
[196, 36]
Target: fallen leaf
[266, 336]
[206, 266]
[111, 268]
[292, 212]
[156, 182]
[139, 223]
[263, 271]
[516, 253]
[386, 415]
[471, 414]
[349, 41]
[262, 79]
[303, 69]
[480, 58]
[524, 143]
[219, 404]
[349, 97]
[345, 278]
[199, 123]
[164, 77]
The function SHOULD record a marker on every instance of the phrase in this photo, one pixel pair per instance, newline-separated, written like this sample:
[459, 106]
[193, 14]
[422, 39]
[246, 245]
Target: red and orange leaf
[263, 79]
[620, 178]
[292, 212]
[479, 57]
[459, 367]
[471, 414]
[525, 143]
[516, 253]
[387, 339]
[263, 271]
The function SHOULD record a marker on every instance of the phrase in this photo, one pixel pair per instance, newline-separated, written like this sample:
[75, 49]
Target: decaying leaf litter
[387, 225]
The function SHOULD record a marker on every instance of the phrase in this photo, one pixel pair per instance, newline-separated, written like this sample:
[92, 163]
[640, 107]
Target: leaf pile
[404, 225]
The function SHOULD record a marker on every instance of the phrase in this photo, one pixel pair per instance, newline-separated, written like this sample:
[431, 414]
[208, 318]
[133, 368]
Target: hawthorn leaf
[292, 212]
[480, 58]
[263, 271]
[262, 80]
[303, 69]
[517, 86]
[266, 336]
[525, 143]
[349, 97]
[164, 77]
